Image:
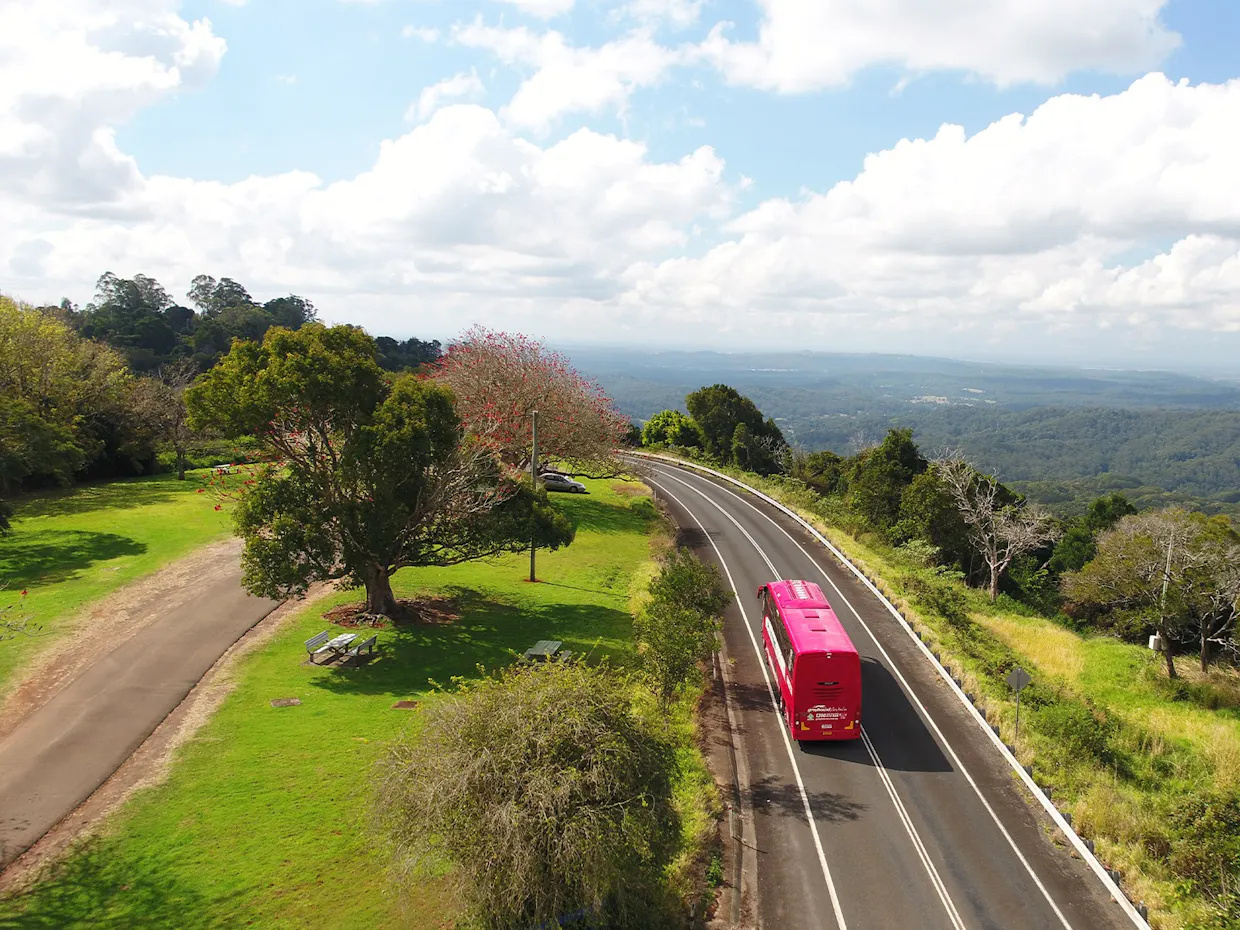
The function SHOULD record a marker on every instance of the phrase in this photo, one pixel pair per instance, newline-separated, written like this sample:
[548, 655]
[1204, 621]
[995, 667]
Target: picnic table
[544, 649]
[338, 644]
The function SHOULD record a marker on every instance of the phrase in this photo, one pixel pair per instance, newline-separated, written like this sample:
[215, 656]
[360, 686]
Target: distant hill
[1062, 435]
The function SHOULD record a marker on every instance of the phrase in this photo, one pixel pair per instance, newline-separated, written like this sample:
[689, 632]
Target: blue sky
[247, 142]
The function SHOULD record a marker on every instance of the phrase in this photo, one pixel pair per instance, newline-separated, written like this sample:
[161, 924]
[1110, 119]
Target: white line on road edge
[912, 696]
[1053, 812]
[901, 811]
[809, 813]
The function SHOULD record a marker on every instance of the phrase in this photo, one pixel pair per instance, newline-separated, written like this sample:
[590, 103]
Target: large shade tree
[500, 379]
[734, 429]
[377, 474]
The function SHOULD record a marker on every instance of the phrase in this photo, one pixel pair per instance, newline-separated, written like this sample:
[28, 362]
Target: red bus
[816, 666]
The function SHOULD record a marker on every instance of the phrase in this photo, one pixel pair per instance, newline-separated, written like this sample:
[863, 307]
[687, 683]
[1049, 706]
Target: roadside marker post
[1018, 679]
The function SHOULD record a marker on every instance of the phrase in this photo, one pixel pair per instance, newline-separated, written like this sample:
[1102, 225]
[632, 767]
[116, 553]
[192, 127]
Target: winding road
[919, 824]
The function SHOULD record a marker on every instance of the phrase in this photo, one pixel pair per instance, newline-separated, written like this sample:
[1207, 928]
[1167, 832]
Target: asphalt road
[55, 758]
[920, 824]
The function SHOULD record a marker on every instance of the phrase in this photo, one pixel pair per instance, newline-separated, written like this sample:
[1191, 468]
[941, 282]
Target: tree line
[98, 392]
[1170, 572]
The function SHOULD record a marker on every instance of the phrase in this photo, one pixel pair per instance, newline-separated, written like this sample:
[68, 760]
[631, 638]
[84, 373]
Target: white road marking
[809, 814]
[918, 846]
[921, 707]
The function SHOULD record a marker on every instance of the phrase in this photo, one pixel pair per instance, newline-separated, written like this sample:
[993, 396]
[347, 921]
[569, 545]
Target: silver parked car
[554, 481]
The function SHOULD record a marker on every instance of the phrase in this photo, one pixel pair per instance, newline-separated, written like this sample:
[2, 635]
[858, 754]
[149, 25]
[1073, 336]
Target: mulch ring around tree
[431, 611]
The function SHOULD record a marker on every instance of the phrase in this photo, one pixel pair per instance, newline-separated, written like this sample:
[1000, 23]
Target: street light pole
[534, 479]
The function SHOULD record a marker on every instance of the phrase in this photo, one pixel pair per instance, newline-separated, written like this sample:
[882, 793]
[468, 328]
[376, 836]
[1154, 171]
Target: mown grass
[263, 819]
[1100, 726]
[70, 547]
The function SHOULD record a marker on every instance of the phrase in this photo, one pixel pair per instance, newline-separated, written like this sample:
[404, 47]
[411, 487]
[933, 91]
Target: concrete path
[61, 752]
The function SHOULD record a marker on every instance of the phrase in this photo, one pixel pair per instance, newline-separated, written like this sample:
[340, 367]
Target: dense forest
[1062, 437]
[1111, 567]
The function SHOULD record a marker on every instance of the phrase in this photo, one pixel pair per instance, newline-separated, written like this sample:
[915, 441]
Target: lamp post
[534, 479]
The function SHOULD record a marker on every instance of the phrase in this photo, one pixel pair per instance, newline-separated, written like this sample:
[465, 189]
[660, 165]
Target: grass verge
[70, 547]
[262, 820]
[1135, 764]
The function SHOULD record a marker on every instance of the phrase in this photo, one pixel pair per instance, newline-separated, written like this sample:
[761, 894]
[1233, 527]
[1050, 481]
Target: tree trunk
[994, 583]
[180, 465]
[1167, 654]
[379, 596]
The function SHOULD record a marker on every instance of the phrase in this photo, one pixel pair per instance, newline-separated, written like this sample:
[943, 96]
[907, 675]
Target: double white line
[935, 879]
[959, 764]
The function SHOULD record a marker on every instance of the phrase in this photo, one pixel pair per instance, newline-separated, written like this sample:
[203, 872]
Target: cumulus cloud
[675, 13]
[459, 86]
[1118, 213]
[566, 79]
[807, 45]
[70, 72]
[1025, 223]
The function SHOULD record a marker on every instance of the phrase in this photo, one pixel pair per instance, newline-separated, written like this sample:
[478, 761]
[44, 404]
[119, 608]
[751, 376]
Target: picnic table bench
[366, 645]
[325, 642]
[546, 649]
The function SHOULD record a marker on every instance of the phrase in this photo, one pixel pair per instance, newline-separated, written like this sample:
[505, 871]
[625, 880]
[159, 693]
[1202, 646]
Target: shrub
[937, 592]
[1076, 729]
[675, 629]
[1206, 850]
[546, 792]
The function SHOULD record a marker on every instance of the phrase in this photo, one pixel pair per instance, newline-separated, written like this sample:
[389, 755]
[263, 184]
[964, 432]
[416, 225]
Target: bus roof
[811, 622]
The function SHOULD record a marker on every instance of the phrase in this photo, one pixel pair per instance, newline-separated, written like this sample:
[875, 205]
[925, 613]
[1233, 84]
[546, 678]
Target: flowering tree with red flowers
[499, 379]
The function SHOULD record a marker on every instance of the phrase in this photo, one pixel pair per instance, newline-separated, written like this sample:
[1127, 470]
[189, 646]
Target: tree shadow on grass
[96, 889]
[109, 495]
[488, 633]
[53, 556]
[587, 514]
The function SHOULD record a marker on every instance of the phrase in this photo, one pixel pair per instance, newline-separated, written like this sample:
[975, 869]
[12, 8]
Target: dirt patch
[431, 611]
[151, 762]
[108, 623]
[629, 490]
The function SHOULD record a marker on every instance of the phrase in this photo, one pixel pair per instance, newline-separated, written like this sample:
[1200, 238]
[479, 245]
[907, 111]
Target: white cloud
[1023, 225]
[73, 70]
[567, 79]
[1025, 230]
[458, 87]
[675, 13]
[806, 45]
[425, 33]
[545, 9]
[289, 79]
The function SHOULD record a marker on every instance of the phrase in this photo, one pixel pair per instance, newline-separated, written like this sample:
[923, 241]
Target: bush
[546, 792]
[1206, 850]
[675, 629]
[939, 593]
[1076, 730]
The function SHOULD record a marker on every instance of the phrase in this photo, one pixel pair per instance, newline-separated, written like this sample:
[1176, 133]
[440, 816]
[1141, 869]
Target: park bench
[317, 644]
[367, 646]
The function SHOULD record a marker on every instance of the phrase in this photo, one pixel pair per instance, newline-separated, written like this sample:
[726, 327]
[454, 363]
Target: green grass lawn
[262, 821]
[70, 547]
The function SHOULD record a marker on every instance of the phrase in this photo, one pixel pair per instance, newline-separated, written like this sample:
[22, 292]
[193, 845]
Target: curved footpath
[918, 824]
[63, 750]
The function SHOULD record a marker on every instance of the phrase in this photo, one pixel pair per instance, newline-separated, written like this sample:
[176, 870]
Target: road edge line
[1052, 811]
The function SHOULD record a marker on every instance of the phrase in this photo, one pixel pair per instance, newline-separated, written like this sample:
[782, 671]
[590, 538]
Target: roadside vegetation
[1141, 747]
